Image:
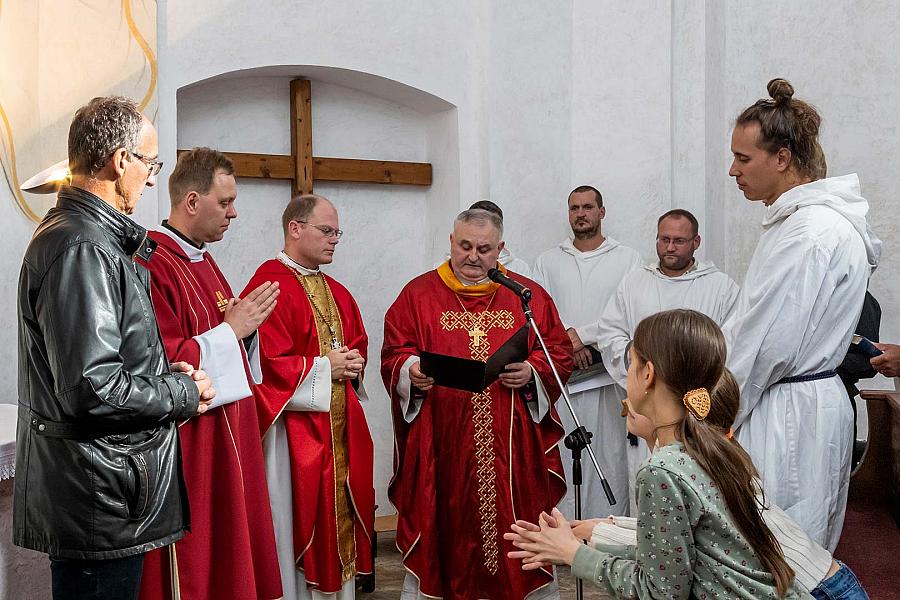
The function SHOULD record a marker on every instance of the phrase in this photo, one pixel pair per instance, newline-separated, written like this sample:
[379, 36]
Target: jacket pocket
[139, 485]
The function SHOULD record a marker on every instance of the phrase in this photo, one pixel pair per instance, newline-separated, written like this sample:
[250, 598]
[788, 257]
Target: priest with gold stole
[468, 463]
[316, 441]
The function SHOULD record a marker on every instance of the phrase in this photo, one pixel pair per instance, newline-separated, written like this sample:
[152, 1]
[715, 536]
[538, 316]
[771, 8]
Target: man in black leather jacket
[98, 471]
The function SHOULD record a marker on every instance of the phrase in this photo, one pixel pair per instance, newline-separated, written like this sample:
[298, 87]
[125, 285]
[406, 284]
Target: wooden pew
[877, 477]
[870, 540]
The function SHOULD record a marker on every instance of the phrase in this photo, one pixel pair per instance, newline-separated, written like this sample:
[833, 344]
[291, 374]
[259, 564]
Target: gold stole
[317, 291]
[477, 325]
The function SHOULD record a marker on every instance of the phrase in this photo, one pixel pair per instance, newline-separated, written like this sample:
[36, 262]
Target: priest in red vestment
[230, 550]
[317, 445]
[469, 464]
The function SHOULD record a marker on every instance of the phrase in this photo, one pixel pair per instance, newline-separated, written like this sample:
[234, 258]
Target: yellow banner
[55, 55]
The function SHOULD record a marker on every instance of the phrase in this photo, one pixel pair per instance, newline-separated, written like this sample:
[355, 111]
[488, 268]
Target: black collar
[181, 236]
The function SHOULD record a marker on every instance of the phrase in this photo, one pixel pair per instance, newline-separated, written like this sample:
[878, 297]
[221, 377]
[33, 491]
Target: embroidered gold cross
[476, 334]
[221, 301]
[477, 325]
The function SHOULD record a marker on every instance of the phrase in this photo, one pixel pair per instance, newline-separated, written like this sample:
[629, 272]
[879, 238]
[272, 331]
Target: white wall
[621, 114]
[840, 58]
[518, 102]
[386, 237]
[637, 100]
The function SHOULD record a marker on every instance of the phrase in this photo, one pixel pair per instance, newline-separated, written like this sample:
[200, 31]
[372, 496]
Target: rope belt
[802, 378]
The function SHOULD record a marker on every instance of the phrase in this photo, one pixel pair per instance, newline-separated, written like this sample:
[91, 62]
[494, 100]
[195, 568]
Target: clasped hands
[552, 541]
[201, 380]
[514, 376]
[346, 363]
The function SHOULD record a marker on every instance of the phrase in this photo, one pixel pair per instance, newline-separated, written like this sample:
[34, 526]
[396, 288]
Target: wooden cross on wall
[302, 168]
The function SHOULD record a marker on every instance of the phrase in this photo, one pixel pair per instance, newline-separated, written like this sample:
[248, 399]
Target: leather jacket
[98, 466]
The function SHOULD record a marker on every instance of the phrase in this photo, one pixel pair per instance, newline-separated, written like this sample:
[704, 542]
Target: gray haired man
[98, 472]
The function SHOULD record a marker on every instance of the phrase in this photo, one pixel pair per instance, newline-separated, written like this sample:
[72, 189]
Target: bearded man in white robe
[581, 274]
[676, 280]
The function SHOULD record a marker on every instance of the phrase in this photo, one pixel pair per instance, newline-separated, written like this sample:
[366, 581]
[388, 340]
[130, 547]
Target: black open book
[473, 375]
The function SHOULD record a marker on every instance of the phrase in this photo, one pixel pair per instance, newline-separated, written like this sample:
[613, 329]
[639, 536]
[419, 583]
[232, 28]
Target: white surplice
[581, 284]
[313, 393]
[796, 312]
[642, 293]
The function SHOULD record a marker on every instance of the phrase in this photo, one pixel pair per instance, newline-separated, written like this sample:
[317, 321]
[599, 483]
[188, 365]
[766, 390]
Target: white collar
[193, 253]
[293, 264]
[466, 282]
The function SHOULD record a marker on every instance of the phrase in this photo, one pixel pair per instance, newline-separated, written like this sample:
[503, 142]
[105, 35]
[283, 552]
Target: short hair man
[230, 552]
[97, 471]
[581, 274]
[467, 463]
[675, 280]
[506, 258]
[317, 446]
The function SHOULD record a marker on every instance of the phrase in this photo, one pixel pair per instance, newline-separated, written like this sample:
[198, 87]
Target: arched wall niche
[392, 232]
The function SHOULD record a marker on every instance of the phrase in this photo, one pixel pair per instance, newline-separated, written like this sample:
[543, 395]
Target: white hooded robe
[796, 312]
[581, 284]
[648, 291]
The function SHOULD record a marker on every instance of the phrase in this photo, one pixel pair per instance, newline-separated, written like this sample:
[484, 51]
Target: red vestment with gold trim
[289, 342]
[469, 465]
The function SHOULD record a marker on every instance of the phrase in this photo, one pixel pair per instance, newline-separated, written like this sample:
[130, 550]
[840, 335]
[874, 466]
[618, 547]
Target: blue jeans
[843, 585]
[114, 579]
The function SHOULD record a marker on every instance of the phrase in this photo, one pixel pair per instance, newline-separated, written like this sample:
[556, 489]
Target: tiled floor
[389, 574]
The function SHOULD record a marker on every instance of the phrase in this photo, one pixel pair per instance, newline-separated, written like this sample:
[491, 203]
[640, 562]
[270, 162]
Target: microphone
[518, 289]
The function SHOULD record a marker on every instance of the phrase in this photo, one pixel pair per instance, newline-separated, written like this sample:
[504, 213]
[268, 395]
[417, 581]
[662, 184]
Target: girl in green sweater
[699, 530]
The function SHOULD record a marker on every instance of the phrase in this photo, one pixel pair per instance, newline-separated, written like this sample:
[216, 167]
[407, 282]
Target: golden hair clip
[697, 402]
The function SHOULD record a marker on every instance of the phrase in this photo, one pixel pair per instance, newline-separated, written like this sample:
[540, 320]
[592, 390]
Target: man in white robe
[581, 274]
[675, 280]
[793, 320]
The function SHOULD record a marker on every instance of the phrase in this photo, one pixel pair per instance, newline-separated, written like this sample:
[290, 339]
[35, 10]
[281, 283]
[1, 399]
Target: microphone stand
[576, 441]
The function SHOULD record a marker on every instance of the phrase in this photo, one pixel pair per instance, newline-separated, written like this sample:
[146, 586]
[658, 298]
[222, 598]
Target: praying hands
[346, 363]
[550, 542]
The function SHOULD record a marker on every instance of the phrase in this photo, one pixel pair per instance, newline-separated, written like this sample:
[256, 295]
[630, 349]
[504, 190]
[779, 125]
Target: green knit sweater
[687, 544]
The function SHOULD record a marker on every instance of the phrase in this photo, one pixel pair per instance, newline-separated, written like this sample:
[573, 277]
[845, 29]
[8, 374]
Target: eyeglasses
[325, 229]
[679, 242]
[155, 166]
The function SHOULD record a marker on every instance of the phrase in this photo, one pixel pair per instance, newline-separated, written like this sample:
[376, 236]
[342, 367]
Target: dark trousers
[114, 579]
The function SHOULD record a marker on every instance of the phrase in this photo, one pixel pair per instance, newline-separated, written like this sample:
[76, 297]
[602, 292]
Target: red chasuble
[289, 342]
[469, 465]
[230, 549]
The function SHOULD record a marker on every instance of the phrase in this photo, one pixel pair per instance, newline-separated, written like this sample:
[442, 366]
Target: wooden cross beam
[302, 168]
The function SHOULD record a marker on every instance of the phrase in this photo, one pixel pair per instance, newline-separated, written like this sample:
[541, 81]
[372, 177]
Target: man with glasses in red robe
[315, 437]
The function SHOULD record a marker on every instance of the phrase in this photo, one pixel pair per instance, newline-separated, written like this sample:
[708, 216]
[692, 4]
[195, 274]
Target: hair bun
[780, 90]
